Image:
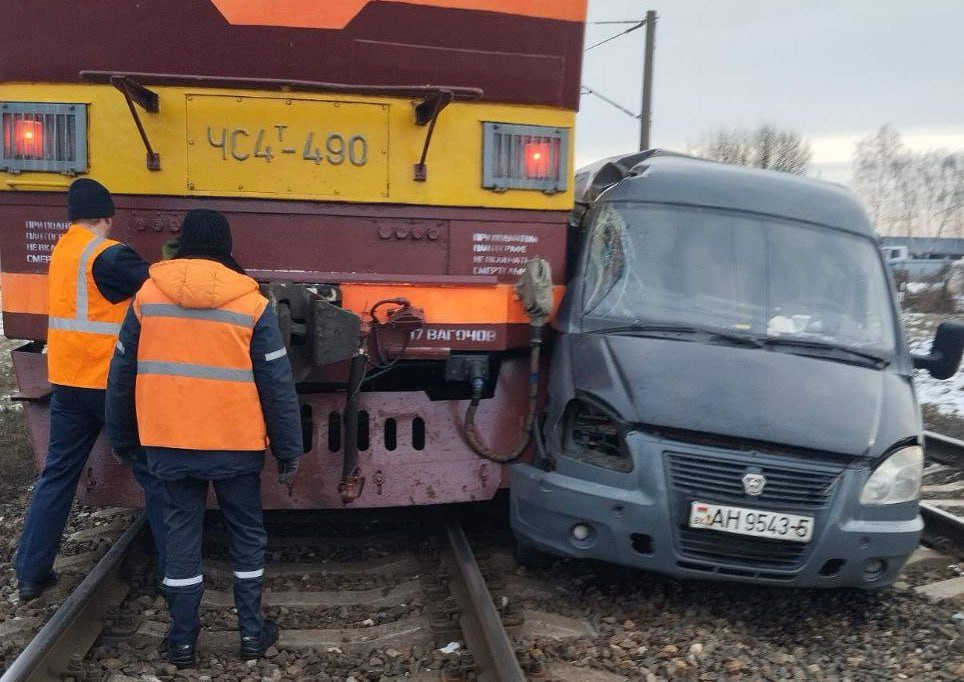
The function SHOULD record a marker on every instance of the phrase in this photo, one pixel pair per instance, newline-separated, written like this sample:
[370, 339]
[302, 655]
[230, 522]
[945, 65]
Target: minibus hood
[744, 392]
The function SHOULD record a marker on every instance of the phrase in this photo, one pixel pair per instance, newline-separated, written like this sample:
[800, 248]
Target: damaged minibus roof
[664, 177]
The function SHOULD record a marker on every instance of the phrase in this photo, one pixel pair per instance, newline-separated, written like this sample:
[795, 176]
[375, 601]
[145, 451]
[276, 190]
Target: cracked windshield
[734, 272]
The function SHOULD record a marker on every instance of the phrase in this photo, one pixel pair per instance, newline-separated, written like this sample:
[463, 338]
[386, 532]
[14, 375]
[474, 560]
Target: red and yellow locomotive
[387, 217]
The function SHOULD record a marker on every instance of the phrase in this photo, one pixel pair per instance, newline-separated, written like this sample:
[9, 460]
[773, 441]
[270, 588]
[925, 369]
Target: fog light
[580, 532]
[874, 569]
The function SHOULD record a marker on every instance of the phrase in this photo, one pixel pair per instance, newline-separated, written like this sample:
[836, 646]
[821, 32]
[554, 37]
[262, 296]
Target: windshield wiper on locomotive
[669, 330]
[830, 351]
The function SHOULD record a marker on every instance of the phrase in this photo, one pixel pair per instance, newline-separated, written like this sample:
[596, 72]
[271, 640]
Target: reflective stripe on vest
[196, 386]
[82, 325]
[212, 315]
[185, 369]
[81, 321]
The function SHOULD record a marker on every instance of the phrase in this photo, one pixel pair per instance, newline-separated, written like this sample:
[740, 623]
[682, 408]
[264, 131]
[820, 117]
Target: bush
[936, 300]
[929, 295]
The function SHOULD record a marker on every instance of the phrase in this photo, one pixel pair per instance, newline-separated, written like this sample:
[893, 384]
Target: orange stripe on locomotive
[339, 13]
[27, 293]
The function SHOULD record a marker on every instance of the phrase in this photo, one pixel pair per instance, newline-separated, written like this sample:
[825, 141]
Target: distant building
[920, 257]
[928, 248]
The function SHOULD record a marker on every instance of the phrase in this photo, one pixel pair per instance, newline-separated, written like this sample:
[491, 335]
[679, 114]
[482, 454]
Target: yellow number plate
[284, 146]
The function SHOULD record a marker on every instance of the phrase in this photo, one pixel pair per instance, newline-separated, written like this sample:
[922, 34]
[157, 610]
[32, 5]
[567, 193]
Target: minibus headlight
[593, 433]
[897, 479]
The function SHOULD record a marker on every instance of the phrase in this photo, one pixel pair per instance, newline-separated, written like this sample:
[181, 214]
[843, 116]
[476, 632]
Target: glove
[169, 250]
[287, 469]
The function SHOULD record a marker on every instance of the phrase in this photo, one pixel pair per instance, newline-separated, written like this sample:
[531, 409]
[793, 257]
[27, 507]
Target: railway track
[943, 505]
[943, 449]
[410, 597]
[80, 620]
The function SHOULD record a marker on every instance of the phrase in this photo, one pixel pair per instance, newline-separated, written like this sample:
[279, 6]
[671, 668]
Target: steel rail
[68, 631]
[484, 623]
[944, 449]
[941, 527]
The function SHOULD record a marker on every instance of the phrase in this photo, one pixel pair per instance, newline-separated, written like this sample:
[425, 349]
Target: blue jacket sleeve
[276, 388]
[119, 273]
[121, 415]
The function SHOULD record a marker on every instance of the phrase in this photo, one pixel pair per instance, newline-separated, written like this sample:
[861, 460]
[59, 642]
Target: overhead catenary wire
[586, 90]
[645, 115]
[635, 27]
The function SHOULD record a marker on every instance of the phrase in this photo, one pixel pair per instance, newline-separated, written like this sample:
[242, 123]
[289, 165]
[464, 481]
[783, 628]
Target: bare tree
[941, 178]
[879, 161]
[907, 196]
[793, 153]
[727, 146]
[909, 193]
[766, 146]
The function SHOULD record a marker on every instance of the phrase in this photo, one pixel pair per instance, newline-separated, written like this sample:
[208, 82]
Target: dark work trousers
[240, 500]
[76, 419]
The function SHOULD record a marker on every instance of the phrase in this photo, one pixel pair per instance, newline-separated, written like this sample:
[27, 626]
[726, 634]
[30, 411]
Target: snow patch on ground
[948, 395]
[918, 287]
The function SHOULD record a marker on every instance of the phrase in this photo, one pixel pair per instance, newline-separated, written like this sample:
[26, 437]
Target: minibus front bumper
[642, 518]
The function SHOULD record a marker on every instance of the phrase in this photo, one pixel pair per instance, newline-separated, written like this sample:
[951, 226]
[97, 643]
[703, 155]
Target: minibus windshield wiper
[829, 350]
[665, 330]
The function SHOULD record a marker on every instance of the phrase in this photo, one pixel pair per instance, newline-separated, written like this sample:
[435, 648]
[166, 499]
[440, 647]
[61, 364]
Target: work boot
[254, 646]
[29, 591]
[181, 656]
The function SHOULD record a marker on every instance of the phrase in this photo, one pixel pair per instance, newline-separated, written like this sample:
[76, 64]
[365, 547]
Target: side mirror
[945, 355]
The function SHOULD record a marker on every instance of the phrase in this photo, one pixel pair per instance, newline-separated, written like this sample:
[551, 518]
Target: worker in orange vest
[201, 379]
[91, 280]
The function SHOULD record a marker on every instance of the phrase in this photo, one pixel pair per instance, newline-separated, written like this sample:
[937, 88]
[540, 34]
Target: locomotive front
[387, 220]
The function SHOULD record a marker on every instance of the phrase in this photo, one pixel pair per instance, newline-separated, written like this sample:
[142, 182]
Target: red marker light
[538, 156]
[28, 138]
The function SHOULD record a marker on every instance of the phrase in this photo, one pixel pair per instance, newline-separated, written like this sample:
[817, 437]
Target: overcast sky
[833, 70]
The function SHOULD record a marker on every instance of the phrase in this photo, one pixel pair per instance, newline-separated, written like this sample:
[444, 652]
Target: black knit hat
[88, 198]
[206, 234]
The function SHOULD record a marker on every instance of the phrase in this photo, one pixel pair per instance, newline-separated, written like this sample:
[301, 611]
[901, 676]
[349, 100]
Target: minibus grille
[758, 552]
[789, 486]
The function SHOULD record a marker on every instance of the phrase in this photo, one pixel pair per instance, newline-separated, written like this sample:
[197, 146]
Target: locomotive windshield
[765, 279]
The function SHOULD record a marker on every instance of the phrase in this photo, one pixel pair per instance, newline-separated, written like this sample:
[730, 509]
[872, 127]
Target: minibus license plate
[743, 521]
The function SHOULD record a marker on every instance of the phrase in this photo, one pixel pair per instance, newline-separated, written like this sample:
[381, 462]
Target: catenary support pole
[646, 115]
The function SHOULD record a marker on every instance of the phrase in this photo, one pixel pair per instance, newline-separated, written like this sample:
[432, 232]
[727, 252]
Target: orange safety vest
[195, 385]
[82, 326]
